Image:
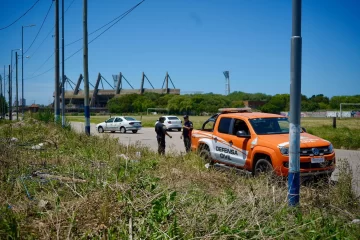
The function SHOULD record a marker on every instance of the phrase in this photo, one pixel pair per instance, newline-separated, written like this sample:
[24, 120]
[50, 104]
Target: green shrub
[47, 115]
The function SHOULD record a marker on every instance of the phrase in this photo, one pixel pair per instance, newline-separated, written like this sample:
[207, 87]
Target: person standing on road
[161, 131]
[186, 134]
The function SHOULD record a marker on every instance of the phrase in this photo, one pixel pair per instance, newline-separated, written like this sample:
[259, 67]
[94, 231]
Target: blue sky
[195, 41]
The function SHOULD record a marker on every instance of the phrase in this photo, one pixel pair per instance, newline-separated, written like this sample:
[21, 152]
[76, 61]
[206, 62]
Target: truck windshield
[265, 126]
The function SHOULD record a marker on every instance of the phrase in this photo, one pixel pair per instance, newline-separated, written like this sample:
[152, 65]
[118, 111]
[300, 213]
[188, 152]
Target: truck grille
[309, 165]
[309, 151]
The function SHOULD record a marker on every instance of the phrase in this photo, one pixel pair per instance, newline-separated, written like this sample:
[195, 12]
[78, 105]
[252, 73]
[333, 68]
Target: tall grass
[344, 137]
[151, 197]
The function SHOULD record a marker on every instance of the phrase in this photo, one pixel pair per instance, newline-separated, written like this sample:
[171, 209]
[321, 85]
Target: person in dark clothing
[186, 134]
[161, 131]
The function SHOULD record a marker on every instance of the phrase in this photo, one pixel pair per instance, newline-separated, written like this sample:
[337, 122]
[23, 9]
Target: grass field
[346, 135]
[91, 192]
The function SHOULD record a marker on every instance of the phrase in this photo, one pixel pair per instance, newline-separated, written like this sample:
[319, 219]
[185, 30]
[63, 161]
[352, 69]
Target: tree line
[198, 104]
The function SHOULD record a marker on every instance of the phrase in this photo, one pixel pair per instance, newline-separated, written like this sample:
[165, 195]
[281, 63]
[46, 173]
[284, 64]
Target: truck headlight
[331, 148]
[284, 150]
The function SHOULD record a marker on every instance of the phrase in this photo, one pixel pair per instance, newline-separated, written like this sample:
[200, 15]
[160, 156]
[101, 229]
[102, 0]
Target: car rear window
[224, 125]
[173, 118]
[130, 118]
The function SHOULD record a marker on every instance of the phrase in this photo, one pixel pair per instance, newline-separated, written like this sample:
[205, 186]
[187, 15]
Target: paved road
[147, 137]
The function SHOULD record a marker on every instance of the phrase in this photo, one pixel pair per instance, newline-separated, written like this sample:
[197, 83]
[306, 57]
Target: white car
[172, 122]
[119, 123]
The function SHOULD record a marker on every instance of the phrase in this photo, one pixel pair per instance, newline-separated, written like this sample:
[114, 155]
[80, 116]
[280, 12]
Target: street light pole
[11, 70]
[1, 94]
[22, 72]
[17, 88]
[86, 70]
[62, 68]
[22, 68]
[57, 70]
[4, 93]
[10, 90]
[295, 104]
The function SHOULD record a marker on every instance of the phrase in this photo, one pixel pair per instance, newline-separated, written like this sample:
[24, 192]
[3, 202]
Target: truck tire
[263, 166]
[206, 156]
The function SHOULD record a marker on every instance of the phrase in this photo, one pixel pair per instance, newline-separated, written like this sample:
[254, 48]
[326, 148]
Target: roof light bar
[234, 110]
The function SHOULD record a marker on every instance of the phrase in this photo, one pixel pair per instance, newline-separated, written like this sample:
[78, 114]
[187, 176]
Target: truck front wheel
[205, 154]
[263, 166]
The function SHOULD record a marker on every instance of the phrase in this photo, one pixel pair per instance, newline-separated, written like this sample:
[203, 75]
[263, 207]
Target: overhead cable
[40, 28]
[123, 16]
[20, 16]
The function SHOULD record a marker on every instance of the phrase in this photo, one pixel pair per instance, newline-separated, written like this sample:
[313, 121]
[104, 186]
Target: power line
[40, 28]
[32, 55]
[41, 73]
[97, 29]
[68, 7]
[129, 11]
[124, 15]
[43, 63]
[20, 16]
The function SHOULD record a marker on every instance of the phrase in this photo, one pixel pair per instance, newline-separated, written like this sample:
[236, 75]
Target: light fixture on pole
[227, 82]
[22, 68]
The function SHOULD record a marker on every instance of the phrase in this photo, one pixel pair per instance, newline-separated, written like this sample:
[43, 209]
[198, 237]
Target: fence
[326, 114]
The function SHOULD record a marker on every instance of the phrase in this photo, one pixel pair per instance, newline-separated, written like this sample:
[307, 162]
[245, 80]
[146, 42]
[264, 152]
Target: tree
[122, 104]
[2, 101]
[271, 108]
[175, 102]
[324, 106]
[242, 96]
[211, 102]
[320, 98]
[237, 104]
[281, 102]
[309, 106]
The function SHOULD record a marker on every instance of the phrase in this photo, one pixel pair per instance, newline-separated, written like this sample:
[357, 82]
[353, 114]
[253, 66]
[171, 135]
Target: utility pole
[295, 103]
[10, 89]
[86, 70]
[1, 94]
[17, 88]
[22, 73]
[4, 93]
[62, 68]
[57, 69]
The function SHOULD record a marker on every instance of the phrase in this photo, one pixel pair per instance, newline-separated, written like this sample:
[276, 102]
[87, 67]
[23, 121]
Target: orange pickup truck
[259, 142]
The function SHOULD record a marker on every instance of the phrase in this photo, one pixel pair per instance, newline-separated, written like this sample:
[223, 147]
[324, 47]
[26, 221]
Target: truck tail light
[131, 123]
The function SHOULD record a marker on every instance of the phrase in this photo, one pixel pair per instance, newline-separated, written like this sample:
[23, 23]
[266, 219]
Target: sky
[194, 40]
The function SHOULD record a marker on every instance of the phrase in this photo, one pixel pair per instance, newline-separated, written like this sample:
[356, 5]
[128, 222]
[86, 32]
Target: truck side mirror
[242, 134]
[304, 129]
